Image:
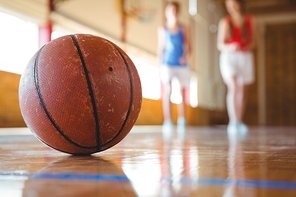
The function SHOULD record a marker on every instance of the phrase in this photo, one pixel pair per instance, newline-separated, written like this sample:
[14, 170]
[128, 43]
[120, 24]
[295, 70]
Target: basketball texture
[80, 94]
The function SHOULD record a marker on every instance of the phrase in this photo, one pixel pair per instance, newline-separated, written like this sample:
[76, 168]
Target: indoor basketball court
[203, 161]
[81, 102]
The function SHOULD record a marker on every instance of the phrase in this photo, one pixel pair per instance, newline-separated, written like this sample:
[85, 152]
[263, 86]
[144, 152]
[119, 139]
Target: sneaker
[181, 122]
[232, 126]
[242, 127]
[237, 131]
[167, 130]
[167, 123]
[181, 128]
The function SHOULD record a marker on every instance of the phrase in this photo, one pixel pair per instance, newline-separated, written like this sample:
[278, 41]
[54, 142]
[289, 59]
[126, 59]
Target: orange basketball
[80, 94]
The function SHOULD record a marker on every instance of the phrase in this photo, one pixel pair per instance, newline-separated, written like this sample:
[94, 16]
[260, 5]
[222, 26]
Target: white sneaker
[242, 127]
[181, 122]
[181, 128]
[236, 131]
[232, 126]
[167, 130]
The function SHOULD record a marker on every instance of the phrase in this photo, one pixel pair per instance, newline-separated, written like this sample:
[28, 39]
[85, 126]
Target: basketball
[80, 94]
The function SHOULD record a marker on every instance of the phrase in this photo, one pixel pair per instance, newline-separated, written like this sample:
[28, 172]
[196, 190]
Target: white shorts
[239, 64]
[182, 73]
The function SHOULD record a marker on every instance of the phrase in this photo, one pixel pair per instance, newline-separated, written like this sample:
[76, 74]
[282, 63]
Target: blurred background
[132, 24]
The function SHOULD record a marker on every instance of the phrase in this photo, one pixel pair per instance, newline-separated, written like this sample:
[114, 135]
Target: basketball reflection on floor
[79, 176]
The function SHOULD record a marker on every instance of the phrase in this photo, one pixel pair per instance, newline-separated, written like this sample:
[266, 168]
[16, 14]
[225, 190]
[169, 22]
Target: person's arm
[160, 44]
[187, 46]
[223, 29]
[253, 41]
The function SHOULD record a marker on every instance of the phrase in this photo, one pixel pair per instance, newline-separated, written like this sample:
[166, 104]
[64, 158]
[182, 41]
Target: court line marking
[15, 131]
[237, 183]
[62, 176]
[123, 178]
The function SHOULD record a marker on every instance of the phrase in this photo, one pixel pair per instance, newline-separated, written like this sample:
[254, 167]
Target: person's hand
[246, 48]
[233, 47]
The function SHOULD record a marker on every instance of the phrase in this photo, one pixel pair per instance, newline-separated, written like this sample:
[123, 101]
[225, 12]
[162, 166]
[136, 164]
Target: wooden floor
[204, 161]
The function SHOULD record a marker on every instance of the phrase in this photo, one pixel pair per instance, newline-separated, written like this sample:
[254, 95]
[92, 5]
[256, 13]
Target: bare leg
[166, 103]
[167, 127]
[231, 99]
[181, 106]
[236, 99]
[240, 101]
[181, 129]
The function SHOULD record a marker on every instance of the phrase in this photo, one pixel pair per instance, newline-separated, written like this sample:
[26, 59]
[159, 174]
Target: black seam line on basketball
[91, 94]
[49, 145]
[45, 109]
[131, 97]
[57, 148]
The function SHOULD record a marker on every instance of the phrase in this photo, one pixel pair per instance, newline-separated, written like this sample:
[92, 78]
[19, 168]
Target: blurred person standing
[236, 41]
[172, 53]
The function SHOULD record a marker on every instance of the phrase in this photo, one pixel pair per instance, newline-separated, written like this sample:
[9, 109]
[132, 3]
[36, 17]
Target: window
[19, 42]
[149, 76]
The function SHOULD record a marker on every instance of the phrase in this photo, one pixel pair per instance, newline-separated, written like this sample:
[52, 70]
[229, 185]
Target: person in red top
[236, 40]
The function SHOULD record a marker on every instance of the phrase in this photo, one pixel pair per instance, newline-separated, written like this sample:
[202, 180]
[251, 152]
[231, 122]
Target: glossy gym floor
[201, 161]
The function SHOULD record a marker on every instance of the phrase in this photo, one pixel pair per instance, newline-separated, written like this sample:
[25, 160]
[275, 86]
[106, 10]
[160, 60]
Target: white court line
[26, 131]
[15, 131]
